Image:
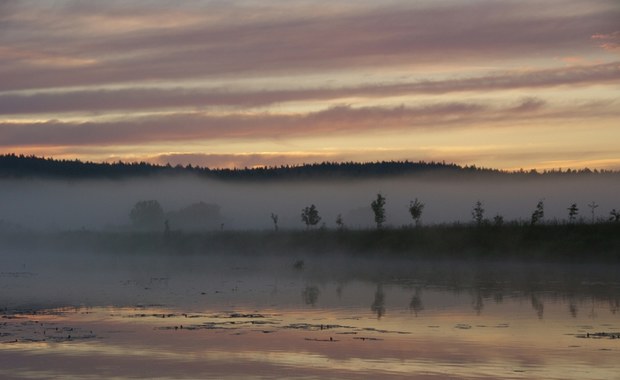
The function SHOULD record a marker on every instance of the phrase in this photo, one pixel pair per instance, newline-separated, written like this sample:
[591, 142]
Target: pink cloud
[609, 41]
[147, 98]
[306, 40]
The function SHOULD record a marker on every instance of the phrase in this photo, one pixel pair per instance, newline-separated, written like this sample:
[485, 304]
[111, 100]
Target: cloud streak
[157, 98]
[341, 120]
[268, 43]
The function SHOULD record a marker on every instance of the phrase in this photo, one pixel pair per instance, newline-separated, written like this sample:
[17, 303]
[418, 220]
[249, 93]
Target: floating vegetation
[204, 326]
[153, 315]
[240, 315]
[20, 329]
[462, 326]
[385, 331]
[315, 327]
[600, 335]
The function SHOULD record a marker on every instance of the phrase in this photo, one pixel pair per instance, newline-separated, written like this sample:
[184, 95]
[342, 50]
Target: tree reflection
[378, 305]
[572, 309]
[498, 297]
[339, 289]
[311, 295]
[538, 306]
[478, 303]
[482, 285]
[416, 304]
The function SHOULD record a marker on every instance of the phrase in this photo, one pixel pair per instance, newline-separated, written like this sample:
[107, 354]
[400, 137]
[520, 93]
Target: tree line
[21, 166]
[149, 215]
[310, 215]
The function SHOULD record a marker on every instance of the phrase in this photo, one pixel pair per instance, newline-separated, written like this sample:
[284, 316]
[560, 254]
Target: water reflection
[478, 303]
[416, 304]
[498, 297]
[538, 306]
[378, 305]
[572, 309]
[310, 295]
[226, 320]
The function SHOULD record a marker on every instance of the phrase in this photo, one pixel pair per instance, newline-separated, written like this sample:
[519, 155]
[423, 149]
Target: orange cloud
[341, 120]
[243, 160]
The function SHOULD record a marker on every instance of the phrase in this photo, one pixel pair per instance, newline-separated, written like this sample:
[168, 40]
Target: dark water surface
[191, 317]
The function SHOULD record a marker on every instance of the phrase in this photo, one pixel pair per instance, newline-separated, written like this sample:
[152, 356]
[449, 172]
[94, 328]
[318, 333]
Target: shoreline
[555, 242]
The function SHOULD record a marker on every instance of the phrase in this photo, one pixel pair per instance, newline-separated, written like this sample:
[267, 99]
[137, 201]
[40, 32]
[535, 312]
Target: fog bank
[97, 204]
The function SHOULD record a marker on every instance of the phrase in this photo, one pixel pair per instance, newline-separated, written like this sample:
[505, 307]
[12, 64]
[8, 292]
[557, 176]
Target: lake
[123, 316]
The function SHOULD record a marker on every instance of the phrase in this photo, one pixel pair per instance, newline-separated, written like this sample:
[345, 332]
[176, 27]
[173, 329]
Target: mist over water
[122, 315]
[96, 204]
[210, 312]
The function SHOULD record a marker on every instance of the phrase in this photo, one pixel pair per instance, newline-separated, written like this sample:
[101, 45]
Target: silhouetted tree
[478, 213]
[573, 211]
[197, 216]
[614, 216]
[415, 209]
[147, 215]
[166, 227]
[538, 213]
[340, 222]
[498, 220]
[378, 207]
[299, 265]
[310, 216]
[592, 206]
[274, 218]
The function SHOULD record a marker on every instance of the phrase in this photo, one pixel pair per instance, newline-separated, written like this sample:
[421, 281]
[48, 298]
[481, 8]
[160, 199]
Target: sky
[503, 84]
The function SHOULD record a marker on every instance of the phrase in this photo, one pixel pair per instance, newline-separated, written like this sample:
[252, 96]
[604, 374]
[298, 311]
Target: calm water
[165, 317]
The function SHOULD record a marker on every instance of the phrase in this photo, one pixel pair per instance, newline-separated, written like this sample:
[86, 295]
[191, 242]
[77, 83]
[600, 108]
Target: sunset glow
[510, 84]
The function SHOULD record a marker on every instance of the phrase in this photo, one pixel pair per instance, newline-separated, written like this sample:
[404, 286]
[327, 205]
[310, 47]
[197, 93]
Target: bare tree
[274, 218]
[592, 206]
